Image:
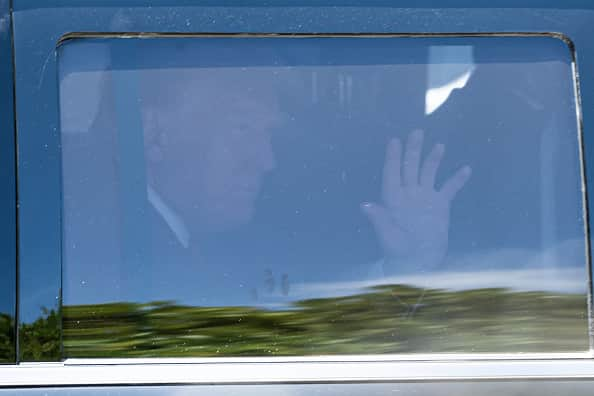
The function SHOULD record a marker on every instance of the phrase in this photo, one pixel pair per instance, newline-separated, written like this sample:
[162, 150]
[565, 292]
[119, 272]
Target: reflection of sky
[7, 173]
[517, 224]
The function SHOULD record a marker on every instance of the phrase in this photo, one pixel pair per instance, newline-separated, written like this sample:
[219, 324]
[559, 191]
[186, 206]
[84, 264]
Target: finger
[412, 157]
[455, 183]
[379, 218]
[431, 164]
[391, 177]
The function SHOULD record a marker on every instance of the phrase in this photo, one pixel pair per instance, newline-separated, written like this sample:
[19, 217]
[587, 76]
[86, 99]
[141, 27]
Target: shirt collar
[175, 223]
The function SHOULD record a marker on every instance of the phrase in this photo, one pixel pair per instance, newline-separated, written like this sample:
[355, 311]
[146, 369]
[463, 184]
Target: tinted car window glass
[7, 195]
[341, 195]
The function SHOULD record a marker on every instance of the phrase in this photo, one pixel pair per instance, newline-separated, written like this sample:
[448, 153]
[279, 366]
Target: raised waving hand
[412, 221]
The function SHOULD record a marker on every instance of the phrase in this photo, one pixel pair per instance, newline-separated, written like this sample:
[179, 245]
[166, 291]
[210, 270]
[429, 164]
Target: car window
[228, 196]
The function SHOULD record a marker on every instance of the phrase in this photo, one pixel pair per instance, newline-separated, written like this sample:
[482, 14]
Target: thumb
[378, 216]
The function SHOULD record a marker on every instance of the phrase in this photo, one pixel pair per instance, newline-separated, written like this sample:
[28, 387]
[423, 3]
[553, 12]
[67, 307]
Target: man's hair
[206, 93]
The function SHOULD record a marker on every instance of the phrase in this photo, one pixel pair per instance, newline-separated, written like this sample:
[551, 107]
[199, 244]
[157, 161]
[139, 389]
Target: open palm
[412, 222]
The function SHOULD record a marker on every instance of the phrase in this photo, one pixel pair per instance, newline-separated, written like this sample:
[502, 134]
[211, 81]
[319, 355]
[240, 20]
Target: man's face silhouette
[209, 149]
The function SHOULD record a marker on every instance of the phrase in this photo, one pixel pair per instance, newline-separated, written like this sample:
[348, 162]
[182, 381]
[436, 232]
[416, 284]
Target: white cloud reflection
[559, 269]
[450, 67]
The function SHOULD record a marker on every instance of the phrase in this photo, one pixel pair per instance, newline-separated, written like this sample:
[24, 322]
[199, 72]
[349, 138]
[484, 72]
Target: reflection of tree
[378, 321]
[7, 339]
[40, 340]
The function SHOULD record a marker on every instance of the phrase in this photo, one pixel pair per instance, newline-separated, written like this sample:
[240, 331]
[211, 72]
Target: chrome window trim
[146, 35]
[409, 357]
[97, 374]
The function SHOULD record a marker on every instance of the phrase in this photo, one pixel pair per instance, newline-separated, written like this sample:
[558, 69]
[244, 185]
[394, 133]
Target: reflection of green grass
[485, 320]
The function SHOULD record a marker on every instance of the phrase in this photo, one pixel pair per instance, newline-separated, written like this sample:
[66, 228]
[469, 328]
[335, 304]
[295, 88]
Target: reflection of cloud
[450, 67]
[437, 96]
[560, 269]
[563, 280]
[568, 253]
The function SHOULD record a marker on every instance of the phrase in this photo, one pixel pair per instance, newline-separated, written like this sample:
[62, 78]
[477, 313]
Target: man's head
[208, 142]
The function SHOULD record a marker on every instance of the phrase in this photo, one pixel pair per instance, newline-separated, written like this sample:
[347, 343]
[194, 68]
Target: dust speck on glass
[342, 195]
